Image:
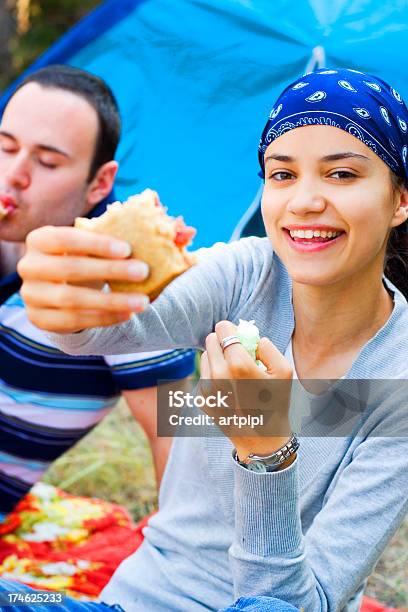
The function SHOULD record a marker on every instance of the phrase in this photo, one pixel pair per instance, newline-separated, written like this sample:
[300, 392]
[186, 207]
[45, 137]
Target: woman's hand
[63, 271]
[250, 391]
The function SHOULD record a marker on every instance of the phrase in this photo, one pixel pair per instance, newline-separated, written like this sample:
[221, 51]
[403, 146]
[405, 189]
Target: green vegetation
[48, 20]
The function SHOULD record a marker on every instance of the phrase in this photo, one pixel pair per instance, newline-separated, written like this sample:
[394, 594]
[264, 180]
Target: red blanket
[370, 605]
[57, 541]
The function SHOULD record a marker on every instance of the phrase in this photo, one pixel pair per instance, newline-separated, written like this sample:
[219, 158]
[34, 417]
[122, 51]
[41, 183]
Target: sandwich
[156, 238]
[6, 205]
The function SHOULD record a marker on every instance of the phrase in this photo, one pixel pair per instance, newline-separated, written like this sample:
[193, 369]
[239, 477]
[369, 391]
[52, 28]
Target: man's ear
[102, 183]
[401, 211]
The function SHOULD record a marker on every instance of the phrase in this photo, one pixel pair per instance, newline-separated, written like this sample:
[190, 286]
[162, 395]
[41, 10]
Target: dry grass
[114, 463]
[389, 581]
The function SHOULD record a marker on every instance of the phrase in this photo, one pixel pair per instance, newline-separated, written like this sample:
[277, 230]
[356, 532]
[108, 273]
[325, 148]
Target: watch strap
[272, 462]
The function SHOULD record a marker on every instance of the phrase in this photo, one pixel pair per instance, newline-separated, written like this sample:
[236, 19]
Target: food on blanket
[155, 237]
[248, 334]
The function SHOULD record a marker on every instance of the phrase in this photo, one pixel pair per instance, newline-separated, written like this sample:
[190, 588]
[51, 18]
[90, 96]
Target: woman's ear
[401, 211]
[102, 183]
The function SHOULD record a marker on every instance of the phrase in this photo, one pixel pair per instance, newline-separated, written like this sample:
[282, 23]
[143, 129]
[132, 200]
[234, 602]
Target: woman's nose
[17, 174]
[307, 197]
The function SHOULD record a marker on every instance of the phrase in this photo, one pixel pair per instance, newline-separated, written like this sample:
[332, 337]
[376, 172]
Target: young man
[58, 138]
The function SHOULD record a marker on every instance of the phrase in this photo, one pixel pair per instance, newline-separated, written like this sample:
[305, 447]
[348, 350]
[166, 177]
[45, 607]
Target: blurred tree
[7, 29]
[29, 27]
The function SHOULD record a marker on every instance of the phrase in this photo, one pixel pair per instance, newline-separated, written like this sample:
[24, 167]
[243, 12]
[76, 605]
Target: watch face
[257, 466]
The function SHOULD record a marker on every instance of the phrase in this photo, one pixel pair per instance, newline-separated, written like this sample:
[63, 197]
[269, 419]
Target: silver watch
[269, 463]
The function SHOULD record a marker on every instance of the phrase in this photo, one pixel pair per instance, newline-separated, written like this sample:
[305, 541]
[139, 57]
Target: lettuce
[248, 334]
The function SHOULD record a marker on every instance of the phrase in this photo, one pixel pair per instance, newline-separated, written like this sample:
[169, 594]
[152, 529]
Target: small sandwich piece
[156, 238]
[248, 333]
[7, 205]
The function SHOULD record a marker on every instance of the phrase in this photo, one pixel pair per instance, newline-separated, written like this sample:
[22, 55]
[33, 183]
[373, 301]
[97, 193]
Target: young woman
[307, 529]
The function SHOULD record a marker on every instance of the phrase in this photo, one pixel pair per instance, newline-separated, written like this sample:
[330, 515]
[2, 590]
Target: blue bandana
[363, 105]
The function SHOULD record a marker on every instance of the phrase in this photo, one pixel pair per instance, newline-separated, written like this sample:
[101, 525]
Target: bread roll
[156, 238]
[3, 211]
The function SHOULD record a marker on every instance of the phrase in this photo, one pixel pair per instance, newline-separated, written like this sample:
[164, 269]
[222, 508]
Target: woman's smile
[312, 238]
[307, 240]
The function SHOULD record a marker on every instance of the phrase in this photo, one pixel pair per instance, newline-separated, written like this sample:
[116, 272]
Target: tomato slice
[184, 233]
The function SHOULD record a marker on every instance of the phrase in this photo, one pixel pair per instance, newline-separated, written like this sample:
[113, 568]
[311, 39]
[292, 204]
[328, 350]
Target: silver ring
[228, 341]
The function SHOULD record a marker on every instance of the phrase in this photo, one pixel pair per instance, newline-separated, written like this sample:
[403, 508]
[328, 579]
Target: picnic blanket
[370, 605]
[60, 542]
[57, 541]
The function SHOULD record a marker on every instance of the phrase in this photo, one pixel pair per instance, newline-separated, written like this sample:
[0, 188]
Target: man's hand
[60, 270]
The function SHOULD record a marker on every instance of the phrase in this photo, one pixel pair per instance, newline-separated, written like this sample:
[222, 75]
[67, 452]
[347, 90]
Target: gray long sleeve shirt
[309, 534]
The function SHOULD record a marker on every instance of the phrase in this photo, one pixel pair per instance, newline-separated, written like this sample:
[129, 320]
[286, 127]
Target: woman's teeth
[309, 234]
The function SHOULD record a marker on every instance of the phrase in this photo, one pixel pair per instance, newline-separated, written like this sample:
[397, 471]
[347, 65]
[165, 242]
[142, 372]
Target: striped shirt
[49, 400]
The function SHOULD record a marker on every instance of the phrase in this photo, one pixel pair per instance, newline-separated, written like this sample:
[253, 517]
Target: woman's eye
[281, 176]
[343, 174]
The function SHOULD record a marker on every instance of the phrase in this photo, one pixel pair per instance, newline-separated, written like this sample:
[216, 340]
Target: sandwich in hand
[156, 238]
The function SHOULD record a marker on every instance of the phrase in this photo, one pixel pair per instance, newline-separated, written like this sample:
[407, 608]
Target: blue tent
[195, 80]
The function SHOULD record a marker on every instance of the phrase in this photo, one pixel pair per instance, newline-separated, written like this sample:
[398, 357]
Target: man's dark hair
[97, 93]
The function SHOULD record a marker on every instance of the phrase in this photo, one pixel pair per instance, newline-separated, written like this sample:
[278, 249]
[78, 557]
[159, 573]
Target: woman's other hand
[250, 391]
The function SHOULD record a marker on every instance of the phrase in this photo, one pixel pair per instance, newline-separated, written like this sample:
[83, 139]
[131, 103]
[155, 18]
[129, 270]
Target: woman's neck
[339, 318]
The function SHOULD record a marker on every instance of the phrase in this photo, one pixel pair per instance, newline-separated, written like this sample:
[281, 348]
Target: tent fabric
[195, 80]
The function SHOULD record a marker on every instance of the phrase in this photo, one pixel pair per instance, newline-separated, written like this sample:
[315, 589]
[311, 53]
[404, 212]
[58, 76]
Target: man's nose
[307, 197]
[17, 174]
